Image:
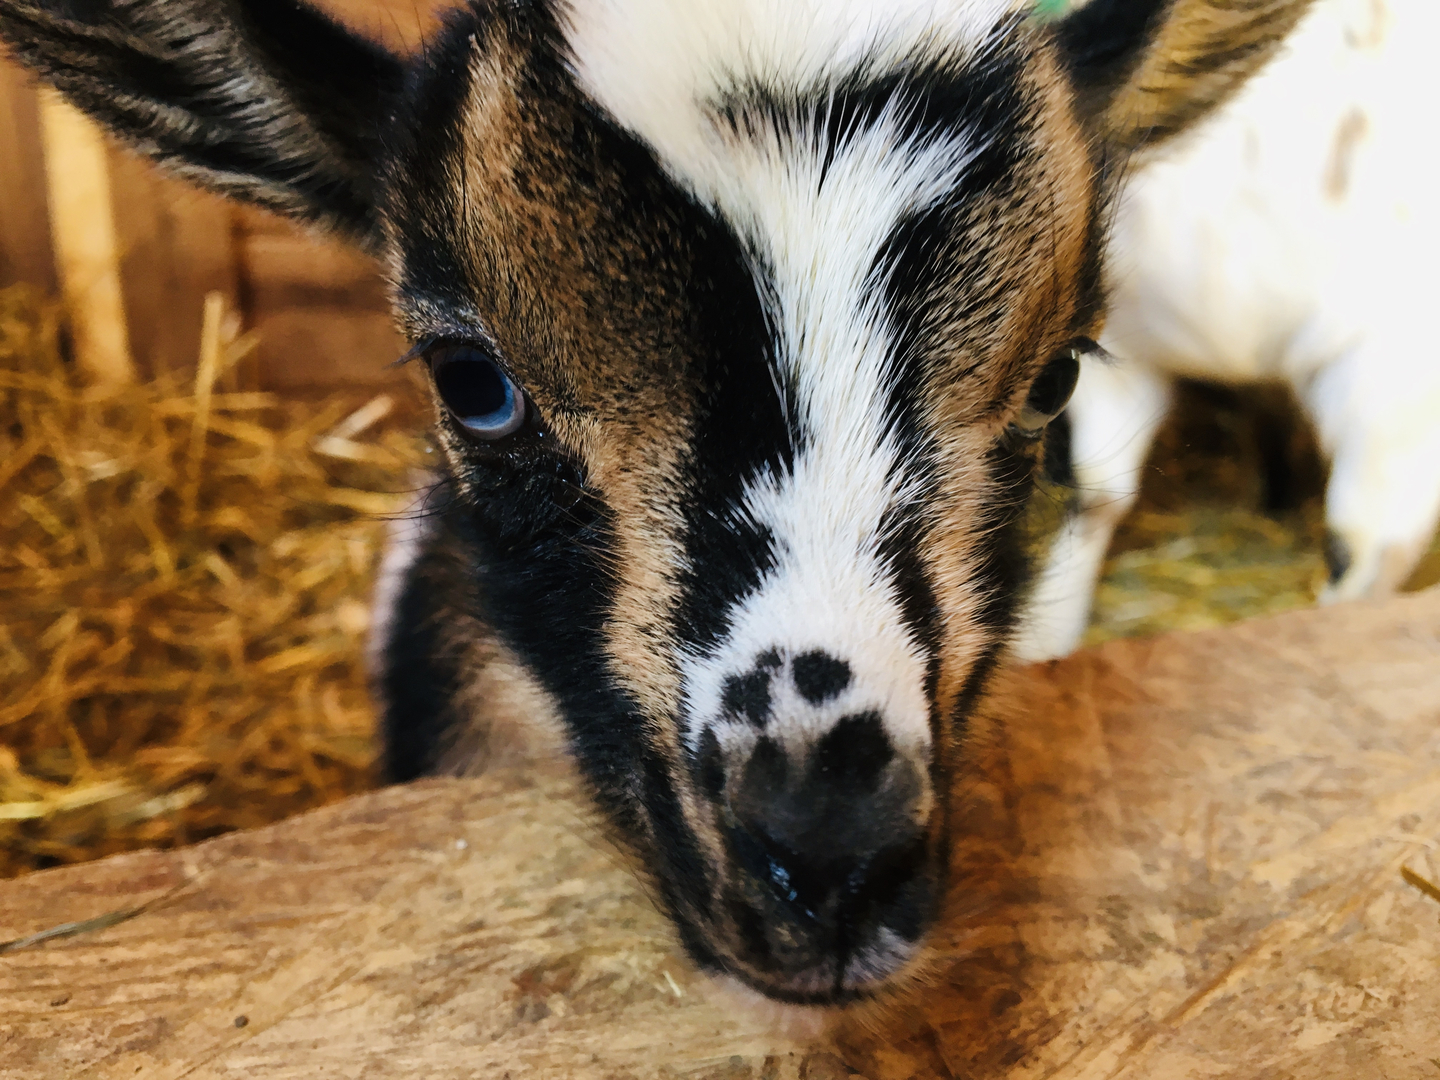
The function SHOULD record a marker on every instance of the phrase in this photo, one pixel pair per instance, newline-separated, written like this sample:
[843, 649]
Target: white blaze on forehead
[829, 589]
[814, 219]
[657, 65]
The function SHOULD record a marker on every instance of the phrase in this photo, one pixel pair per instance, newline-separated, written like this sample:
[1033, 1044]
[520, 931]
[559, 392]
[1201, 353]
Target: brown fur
[1206, 51]
[586, 355]
[1036, 238]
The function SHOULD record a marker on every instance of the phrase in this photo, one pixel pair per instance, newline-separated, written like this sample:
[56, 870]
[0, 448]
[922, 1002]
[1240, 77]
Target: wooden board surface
[1179, 858]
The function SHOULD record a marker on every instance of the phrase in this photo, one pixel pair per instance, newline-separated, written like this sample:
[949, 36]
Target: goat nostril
[763, 780]
[885, 883]
[781, 871]
[820, 676]
[854, 753]
[881, 886]
[748, 696]
[709, 765]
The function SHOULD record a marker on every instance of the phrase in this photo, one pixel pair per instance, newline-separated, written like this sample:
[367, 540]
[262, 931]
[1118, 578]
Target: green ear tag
[1051, 9]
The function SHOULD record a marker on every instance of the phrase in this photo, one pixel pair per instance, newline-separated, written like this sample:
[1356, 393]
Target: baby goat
[744, 319]
[1289, 238]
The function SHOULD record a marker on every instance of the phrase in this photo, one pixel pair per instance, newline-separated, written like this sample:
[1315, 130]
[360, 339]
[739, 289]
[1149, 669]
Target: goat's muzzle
[829, 858]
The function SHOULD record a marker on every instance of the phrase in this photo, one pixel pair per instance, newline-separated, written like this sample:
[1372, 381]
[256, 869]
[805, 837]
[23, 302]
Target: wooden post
[82, 227]
[26, 252]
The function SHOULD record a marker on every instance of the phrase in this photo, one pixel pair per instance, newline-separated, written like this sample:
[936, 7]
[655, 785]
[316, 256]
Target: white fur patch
[657, 65]
[405, 537]
[814, 227]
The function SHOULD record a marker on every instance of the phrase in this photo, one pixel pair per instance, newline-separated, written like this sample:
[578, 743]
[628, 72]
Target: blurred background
[188, 531]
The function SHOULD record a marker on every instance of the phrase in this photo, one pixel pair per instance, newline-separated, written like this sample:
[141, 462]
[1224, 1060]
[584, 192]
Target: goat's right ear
[1144, 70]
[264, 100]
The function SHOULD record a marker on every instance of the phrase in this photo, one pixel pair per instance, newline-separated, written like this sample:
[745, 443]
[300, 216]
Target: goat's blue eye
[478, 393]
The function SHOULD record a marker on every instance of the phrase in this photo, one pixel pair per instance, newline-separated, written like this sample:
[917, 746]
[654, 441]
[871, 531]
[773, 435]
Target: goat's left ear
[1144, 70]
[265, 100]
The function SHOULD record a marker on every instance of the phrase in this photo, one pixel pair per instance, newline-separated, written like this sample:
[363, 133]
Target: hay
[1200, 549]
[183, 576]
[1205, 566]
[1426, 886]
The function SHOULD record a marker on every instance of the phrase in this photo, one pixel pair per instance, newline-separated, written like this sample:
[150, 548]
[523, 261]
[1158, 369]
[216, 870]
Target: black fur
[820, 676]
[542, 574]
[1103, 42]
[923, 252]
[986, 102]
[1003, 568]
[1059, 463]
[742, 431]
[928, 99]
[748, 696]
[420, 672]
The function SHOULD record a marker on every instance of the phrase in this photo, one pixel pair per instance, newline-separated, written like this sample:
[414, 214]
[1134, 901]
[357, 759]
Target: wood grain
[1177, 858]
[319, 305]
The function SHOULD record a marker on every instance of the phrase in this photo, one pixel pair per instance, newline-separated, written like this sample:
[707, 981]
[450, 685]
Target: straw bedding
[184, 569]
[1200, 550]
[183, 574]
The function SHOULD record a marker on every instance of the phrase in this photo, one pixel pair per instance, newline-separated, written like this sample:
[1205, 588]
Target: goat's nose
[837, 830]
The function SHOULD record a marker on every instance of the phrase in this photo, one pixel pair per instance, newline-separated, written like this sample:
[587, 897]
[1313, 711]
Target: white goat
[1290, 237]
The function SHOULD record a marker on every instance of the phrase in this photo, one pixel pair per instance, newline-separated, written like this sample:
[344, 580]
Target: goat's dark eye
[1051, 390]
[485, 400]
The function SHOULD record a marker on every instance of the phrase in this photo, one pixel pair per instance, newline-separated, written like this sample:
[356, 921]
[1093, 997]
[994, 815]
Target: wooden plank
[82, 230]
[320, 307]
[174, 242]
[176, 245]
[24, 216]
[319, 347]
[1175, 858]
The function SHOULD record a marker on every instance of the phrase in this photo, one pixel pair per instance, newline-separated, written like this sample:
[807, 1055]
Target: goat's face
[743, 320]
[765, 334]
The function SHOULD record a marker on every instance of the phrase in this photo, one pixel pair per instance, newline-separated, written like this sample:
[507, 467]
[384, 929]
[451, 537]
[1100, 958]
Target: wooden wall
[320, 306]
[24, 217]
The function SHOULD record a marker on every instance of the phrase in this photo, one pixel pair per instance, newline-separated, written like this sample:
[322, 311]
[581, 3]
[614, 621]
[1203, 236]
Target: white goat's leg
[1116, 410]
[1377, 410]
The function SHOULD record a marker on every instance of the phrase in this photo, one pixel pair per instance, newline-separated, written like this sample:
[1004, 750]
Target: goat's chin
[801, 1020]
[798, 1023]
[817, 1021]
